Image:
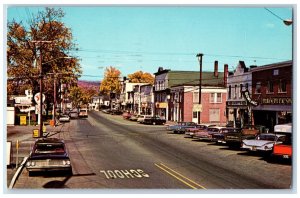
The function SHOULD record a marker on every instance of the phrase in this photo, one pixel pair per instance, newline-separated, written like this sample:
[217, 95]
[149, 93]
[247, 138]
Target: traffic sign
[37, 97]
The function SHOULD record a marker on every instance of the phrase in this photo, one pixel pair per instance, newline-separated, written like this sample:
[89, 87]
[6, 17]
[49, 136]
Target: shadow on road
[62, 184]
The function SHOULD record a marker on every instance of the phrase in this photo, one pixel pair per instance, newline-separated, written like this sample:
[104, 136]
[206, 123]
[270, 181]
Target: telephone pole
[41, 85]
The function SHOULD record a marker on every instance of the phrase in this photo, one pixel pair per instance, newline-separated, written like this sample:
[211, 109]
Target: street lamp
[199, 56]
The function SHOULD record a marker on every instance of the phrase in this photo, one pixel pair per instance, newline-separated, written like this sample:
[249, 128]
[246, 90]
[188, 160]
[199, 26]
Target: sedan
[49, 154]
[263, 142]
[154, 120]
[64, 118]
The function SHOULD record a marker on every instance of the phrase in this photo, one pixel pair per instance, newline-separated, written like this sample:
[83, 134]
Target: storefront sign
[236, 103]
[276, 101]
[161, 105]
[246, 95]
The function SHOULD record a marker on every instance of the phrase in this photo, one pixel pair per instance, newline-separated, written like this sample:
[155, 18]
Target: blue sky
[134, 38]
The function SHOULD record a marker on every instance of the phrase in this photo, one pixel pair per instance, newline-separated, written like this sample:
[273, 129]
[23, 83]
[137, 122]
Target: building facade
[239, 82]
[272, 90]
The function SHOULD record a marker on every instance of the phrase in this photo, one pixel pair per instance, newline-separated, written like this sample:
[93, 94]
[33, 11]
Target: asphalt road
[108, 152]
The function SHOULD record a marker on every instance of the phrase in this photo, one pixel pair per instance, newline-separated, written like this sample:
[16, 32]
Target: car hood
[257, 142]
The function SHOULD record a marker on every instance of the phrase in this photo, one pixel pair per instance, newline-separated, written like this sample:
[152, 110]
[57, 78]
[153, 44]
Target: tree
[23, 53]
[76, 96]
[111, 81]
[141, 77]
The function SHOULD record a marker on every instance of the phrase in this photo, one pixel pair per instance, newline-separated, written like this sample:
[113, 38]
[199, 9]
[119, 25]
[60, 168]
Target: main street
[108, 152]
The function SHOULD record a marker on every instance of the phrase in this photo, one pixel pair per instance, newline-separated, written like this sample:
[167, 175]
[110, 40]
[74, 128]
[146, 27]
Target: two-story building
[239, 83]
[185, 99]
[272, 90]
[164, 80]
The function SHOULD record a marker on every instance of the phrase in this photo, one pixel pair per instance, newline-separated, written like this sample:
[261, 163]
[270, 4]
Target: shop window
[258, 88]
[270, 88]
[282, 86]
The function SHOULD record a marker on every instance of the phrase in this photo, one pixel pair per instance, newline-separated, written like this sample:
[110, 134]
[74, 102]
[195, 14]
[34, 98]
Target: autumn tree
[141, 77]
[25, 46]
[111, 81]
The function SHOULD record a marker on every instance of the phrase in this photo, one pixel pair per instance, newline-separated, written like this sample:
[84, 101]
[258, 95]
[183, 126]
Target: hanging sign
[246, 95]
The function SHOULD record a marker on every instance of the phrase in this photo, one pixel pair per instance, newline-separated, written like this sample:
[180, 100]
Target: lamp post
[199, 56]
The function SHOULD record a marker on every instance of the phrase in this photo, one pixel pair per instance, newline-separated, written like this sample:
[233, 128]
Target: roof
[192, 78]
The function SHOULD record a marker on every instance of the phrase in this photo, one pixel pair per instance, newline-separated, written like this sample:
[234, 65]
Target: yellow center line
[175, 176]
[183, 176]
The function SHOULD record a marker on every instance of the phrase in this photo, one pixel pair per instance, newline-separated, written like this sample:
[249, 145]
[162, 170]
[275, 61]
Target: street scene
[149, 98]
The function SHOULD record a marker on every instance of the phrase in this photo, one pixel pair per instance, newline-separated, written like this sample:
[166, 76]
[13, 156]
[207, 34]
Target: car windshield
[49, 148]
[213, 130]
[269, 137]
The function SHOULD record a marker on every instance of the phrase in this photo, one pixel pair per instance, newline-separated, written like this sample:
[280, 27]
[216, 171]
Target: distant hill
[89, 84]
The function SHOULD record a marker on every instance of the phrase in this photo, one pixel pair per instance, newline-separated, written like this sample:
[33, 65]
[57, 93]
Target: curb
[16, 175]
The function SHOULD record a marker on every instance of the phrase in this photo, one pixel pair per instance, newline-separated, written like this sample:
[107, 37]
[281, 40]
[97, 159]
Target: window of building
[275, 72]
[229, 92]
[195, 114]
[214, 115]
[241, 90]
[215, 98]
[282, 86]
[258, 88]
[235, 91]
[196, 97]
[270, 88]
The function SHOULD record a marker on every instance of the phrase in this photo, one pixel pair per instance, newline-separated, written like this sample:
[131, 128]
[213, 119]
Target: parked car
[116, 112]
[141, 118]
[73, 114]
[180, 126]
[236, 137]
[220, 136]
[283, 149]
[49, 154]
[133, 118]
[155, 120]
[126, 115]
[206, 134]
[107, 111]
[263, 142]
[190, 131]
[64, 118]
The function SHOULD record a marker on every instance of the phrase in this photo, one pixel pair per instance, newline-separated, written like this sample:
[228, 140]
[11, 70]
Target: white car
[262, 142]
[141, 118]
[64, 118]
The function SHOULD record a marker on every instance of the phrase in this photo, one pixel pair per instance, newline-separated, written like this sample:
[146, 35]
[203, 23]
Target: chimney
[225, 74]
[216, 69]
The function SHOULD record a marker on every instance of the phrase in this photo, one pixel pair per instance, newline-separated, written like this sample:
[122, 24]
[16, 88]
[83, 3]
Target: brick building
[272, 90]
[184, 98]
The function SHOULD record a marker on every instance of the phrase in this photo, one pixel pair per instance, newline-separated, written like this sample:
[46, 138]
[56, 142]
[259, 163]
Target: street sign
[197, 107]
[37, 97]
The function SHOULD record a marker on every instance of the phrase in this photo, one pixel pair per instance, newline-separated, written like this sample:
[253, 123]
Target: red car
[126, 115]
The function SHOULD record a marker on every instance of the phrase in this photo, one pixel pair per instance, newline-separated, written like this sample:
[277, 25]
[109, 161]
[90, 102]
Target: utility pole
[41, 86]
[199, 56]
[54, 100]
